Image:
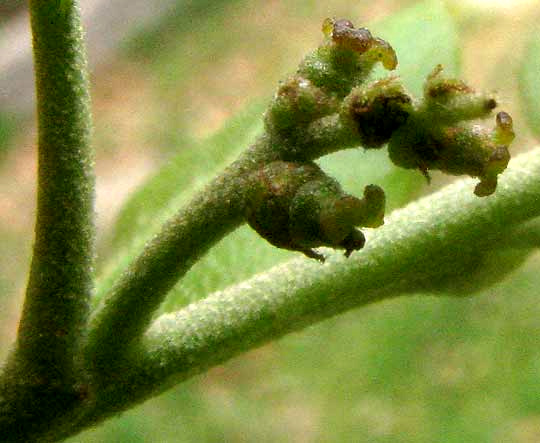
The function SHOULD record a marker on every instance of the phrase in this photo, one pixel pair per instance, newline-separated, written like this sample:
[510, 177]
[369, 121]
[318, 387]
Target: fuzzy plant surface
[81, 357]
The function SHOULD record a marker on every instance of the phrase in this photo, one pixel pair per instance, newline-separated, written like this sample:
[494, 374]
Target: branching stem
[422, 248]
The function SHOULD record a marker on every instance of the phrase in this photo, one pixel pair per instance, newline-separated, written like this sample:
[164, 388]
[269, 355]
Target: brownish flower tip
[447, 87]
[342, 23]
[491, 103]
[503, 120]
[378, 118]
[344, 34]
[353, 242]
[486, 187]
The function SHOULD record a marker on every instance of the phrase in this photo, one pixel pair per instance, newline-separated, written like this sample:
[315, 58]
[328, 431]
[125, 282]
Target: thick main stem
[42, 373]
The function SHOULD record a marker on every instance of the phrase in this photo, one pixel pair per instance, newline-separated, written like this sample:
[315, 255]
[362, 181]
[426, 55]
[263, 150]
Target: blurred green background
[179, 99]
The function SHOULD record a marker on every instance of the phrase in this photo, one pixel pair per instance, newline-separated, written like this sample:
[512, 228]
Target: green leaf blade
[422, 36]
[529, 84]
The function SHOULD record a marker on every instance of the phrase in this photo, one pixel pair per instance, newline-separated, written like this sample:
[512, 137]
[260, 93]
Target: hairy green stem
[126, 312]
[328, 135]
[43, 370]
[435, 242]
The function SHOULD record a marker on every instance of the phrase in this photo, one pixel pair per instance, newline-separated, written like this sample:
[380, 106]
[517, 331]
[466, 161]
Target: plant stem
[126, 312]
[56, 307]
[434, 242]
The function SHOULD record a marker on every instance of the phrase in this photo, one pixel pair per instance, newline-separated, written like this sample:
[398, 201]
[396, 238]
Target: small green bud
[437, 87]
[381, 51]
[297, 103]
[346, 57]
[371, 211]
[504, 129]
[323, 215]
[457, 150]
[449, 100]
[377, 111]
[435, 135]
[296, 206]
[499, 158]
[344, 35]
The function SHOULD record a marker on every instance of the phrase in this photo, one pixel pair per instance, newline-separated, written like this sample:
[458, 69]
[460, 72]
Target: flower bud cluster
[437, 136]
[296, 206]
[327, 105]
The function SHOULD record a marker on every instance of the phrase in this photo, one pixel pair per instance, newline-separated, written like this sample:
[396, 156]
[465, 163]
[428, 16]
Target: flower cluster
[436, 135]
[330, 104]
[297, 206]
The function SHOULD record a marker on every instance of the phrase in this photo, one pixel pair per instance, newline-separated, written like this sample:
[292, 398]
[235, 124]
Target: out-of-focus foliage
[530, 83]
[10, 7]
[8, 124]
